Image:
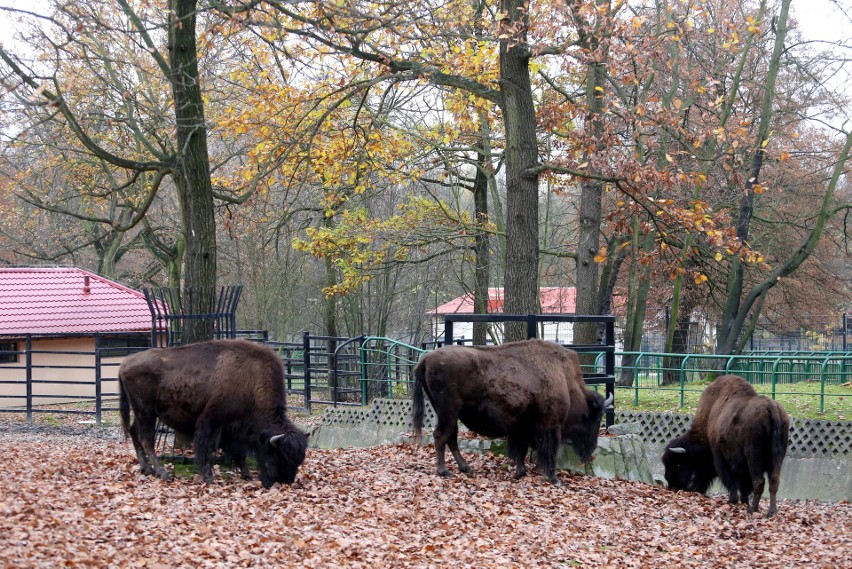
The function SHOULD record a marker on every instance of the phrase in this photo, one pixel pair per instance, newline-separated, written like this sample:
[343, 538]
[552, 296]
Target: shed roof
[554, 300]
[68, 301]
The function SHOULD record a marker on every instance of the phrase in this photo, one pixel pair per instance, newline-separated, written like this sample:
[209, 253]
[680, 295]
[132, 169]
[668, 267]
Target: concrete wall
[828, 479]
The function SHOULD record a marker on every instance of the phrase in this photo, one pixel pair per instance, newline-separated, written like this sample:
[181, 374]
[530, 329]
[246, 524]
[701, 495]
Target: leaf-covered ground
[81, 501]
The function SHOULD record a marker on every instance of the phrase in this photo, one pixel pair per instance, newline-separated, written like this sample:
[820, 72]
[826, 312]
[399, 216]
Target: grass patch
[185, 467]
[801, 400]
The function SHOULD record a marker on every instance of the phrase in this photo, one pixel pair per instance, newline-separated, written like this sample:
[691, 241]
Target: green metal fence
[825, 376]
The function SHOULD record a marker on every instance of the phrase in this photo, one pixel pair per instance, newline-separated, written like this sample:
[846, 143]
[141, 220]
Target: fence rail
[43, 381]
[779, 371]
[335, 371]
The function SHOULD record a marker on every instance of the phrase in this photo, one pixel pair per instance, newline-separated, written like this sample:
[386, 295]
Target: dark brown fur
[205, 388]
[737, 436]
[531, 392]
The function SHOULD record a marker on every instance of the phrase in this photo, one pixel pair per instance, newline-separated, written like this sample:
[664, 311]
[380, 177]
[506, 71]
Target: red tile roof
[67, 300]
[554, 300]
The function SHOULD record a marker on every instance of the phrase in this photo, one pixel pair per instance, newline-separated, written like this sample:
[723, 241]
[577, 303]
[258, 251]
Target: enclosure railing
[360, 369]
[60, 382]
[685, 373]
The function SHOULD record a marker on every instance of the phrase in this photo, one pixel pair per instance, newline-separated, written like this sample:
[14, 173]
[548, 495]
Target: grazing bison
[531, 392]
[736, 435]
[224, 393]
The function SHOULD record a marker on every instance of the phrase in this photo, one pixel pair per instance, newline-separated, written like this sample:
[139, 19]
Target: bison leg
[240, 461]
[453, 443]
[446, 433]
[774, 481]
[518, 448]
[205, 443]
[142, 433]
[140, 452]
[729, 477]
[746, 487]
[757, 488]
[773, 506]
[547, 443]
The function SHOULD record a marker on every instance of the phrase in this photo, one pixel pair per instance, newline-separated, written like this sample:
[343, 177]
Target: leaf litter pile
[81, 501]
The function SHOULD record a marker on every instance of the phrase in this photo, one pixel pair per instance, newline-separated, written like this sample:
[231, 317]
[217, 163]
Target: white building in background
[554, 300]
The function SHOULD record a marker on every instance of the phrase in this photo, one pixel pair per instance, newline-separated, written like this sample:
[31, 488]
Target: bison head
[280, 453]
[582, 434]
[688, 465]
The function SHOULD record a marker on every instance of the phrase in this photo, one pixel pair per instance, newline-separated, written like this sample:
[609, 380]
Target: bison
[531, 392]
[737, 436]
[224, 393]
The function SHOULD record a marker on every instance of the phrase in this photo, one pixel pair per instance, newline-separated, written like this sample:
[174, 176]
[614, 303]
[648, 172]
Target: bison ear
[678, 450]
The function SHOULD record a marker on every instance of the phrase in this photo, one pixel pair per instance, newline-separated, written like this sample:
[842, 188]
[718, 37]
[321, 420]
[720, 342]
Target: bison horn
[273, 441]
[678, 450]
[609, 400]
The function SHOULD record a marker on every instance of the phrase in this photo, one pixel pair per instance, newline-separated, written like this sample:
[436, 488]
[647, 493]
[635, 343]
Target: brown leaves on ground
[78, 501]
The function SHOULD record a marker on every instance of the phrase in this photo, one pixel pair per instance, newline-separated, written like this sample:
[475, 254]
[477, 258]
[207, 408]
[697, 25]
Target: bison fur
[737, 436]
[226, 394]
[531, 392]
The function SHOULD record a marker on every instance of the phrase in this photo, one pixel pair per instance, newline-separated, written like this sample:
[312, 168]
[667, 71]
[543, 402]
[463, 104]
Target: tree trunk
[192, 170]
[519, 117]
[591, 192]
[480, 247]
[677, 341]
[732, 316]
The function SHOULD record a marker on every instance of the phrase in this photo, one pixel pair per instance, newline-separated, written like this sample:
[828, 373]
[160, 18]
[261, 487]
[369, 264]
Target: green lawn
[800, 399]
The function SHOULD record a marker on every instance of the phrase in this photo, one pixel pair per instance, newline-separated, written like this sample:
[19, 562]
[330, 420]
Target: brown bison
[224, 393]
[736, 435]
[531, 392]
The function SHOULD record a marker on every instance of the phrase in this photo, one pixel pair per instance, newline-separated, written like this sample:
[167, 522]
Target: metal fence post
[29, 375]
[532, 329]
[306, 361]
[609, 369]
[98, 402]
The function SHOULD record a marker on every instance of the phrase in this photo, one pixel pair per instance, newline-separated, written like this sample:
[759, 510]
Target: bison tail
[123, 407]
[780, 434]
[418, 405]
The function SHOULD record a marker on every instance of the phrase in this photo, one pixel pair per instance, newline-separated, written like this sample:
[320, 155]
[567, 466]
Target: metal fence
[333, 371]
[60, 381]
[325, 370]
[172, 316]
[823, 377]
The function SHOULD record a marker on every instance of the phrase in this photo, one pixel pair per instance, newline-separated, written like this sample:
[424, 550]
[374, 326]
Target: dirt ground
[74, 496]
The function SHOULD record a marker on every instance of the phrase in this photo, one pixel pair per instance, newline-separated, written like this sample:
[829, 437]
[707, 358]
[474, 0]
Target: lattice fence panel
[656, 428]
[808, 437]
[398, 412]
[393, 412]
